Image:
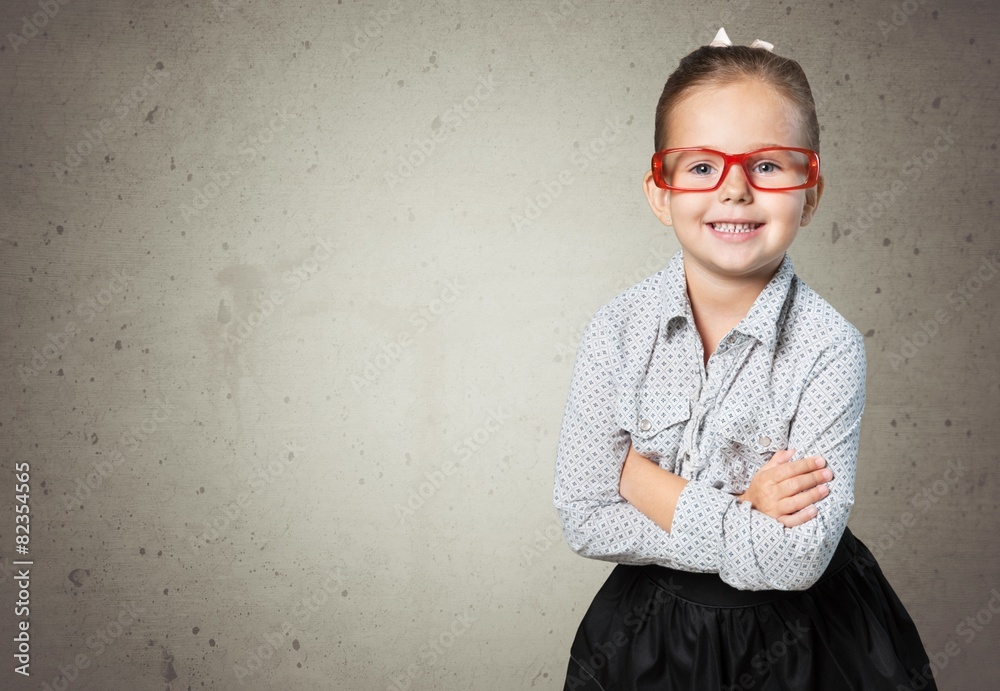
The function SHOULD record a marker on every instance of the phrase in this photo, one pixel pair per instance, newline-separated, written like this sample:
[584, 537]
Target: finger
[799, 517]
[801, 483]
[799, 467]
[822, 476]
[802, 500]
[783, 455]
[779, 457]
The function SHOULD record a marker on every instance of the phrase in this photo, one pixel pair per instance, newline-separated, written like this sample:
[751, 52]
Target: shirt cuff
[697, 525]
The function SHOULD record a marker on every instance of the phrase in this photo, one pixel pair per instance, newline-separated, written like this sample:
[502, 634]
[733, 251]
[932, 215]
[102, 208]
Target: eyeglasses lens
[767, 169]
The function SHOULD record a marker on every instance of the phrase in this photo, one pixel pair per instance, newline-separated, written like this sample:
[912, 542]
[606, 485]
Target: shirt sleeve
[749, 549]
[597, 521]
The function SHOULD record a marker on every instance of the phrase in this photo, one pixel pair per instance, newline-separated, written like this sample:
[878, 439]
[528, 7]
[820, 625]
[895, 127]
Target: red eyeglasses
[772, 169]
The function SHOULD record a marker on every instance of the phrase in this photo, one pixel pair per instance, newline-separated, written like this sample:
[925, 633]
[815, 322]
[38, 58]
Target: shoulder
[629, 322]
[635, 309]
[815, 327]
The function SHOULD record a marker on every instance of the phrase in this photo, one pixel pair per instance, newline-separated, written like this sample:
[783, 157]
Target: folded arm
[691, 525]
[753, 551]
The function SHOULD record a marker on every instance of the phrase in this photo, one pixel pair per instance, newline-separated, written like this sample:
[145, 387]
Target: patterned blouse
[791, 374]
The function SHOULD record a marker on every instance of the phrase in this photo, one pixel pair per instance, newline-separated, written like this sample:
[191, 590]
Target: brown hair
[720, 65]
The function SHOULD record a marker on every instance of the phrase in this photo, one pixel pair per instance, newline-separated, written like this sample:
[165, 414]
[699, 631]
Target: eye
[766, 167]
[701, 169]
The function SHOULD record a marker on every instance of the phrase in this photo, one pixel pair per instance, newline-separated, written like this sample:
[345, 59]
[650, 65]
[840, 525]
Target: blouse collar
[761, 321]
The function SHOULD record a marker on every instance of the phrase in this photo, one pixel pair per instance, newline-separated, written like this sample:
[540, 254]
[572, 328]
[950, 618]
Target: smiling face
[734, 118]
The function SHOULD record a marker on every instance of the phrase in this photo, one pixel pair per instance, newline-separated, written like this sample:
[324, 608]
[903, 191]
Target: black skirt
[650, 627]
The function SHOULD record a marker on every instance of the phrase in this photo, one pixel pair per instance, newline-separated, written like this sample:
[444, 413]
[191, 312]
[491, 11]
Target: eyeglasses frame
[812, 176]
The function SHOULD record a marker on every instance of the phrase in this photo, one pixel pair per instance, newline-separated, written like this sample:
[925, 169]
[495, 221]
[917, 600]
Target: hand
[787, 491]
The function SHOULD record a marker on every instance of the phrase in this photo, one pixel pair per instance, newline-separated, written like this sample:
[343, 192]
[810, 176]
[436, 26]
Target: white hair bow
[722, 39]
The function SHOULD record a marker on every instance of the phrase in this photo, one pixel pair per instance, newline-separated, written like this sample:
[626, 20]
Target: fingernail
[820, 462]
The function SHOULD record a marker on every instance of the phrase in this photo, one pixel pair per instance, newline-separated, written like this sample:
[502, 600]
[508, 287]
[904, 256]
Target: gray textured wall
[287, 349]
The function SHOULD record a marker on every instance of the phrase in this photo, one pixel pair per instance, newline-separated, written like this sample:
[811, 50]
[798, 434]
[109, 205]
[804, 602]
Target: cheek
[786, 208]
[686, 208]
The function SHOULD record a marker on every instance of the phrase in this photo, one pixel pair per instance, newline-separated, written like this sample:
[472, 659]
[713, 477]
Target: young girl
[709, 441]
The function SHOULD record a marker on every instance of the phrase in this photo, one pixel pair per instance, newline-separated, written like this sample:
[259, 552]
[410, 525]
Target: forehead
[735, 117]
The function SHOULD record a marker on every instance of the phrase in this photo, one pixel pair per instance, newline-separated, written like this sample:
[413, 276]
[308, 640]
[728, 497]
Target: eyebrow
[752, 147]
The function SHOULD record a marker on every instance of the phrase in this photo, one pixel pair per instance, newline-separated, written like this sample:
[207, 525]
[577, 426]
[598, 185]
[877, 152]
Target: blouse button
[645, 425]
[764, 441]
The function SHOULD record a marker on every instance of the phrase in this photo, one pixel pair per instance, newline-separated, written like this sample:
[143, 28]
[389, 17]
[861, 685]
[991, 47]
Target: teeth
[735, 227]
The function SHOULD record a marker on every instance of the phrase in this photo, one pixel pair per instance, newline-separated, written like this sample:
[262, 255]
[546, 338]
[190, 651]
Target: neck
[724, 298]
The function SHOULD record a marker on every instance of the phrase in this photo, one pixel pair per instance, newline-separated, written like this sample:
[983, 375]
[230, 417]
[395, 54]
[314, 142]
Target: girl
[709, 442]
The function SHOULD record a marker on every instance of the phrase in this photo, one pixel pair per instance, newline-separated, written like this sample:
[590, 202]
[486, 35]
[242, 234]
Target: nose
[735, 186]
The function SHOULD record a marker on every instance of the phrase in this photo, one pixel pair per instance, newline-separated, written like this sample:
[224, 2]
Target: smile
[735, 227]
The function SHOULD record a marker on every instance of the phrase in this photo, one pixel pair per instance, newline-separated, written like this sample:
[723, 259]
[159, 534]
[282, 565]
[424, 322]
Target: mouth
[735, 228]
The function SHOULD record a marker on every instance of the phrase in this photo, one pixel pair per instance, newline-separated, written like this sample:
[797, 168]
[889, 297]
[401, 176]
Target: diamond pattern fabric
[791, 374]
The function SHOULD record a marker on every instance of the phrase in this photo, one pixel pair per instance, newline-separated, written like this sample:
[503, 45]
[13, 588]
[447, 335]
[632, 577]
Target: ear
[813, 195]
[658, 198]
